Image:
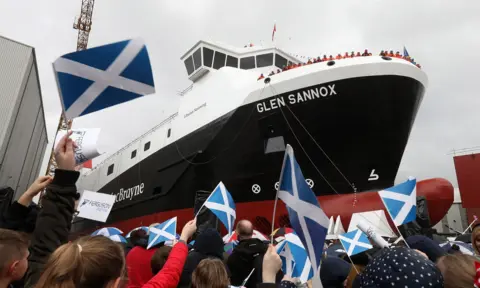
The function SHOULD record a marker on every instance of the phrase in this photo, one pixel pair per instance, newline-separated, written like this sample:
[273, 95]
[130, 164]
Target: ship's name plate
[128, 194]
[295, 98]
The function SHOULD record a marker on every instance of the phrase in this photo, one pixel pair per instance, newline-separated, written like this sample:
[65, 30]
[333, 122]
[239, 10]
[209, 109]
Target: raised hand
[271, 265]
[188, 230]
[32, 191]
[65, 154]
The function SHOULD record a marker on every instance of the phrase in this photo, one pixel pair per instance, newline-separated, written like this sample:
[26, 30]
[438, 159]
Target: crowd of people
[35, 251]
[339, 57]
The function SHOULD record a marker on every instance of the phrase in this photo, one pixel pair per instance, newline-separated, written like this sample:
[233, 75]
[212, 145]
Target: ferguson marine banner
[95, 206]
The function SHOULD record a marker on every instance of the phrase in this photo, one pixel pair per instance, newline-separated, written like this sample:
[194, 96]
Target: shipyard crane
[83, 24]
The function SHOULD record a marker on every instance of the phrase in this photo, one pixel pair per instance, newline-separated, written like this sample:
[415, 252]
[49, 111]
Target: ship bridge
[208, 55]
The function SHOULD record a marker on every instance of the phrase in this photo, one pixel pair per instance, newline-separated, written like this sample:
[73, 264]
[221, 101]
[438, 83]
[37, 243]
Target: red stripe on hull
[437, 191]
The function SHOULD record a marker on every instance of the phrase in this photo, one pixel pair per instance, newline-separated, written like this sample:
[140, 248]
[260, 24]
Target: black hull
[365, 126]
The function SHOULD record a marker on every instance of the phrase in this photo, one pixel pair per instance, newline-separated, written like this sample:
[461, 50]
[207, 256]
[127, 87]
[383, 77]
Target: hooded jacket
[248, 254]
[209, 244]
[138, 265]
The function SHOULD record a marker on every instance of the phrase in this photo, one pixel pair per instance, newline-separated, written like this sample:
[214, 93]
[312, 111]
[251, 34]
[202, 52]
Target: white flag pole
[278, 189]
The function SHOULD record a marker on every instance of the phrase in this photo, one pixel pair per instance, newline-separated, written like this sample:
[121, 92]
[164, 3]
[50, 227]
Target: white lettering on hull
[128, 194]
[299, 97]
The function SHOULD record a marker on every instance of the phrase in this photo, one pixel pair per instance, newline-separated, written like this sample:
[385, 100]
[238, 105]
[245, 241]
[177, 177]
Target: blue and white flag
[118, 238]
[107, 231]
[401, 201]
[295, 261]
[305, 214]
[355, 242]
[220, 202]
[405, 52]
[101, 77]
[162, 232]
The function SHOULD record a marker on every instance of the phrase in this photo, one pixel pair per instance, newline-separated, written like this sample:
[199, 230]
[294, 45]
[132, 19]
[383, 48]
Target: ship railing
[165, 121]
[185, 91]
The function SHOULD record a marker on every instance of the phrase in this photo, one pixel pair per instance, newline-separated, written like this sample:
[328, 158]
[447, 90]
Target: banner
[86, 140]
[95, 206]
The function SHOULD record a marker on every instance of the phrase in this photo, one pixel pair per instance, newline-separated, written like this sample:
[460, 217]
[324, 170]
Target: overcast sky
[441, 35]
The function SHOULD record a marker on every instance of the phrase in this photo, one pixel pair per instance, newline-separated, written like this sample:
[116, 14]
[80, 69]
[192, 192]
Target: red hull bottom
[437, 191]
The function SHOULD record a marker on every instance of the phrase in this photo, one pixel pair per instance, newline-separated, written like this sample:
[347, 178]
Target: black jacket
[20, 218]
[248, 254]
[53, 223]
[209, 244]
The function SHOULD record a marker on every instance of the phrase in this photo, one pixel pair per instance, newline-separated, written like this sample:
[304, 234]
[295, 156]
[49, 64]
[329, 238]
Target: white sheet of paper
[376, 219]
[95, 206]
[86, 140]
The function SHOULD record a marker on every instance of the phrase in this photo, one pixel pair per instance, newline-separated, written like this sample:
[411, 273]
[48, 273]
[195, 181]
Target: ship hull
[348, 136]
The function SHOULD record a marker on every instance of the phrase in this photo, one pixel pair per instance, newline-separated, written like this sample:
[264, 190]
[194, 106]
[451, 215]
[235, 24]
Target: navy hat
[334, 271]
[400, 267]
[427, 246]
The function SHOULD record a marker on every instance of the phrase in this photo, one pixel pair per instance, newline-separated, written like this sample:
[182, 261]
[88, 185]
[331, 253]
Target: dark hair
[159, 258]
[139, 238]
[210, 273]
[458, 270]
[13, 245]
[91, 262]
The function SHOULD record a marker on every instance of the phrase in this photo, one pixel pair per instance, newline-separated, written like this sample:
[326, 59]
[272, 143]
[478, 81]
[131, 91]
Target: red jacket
[138, 265]
[169, 276]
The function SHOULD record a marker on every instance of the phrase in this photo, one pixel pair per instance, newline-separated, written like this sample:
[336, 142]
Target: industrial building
[23, 134]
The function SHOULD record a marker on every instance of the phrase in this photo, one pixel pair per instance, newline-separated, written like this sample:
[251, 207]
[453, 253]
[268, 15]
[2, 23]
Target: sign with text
[86, 140]
[95, 206]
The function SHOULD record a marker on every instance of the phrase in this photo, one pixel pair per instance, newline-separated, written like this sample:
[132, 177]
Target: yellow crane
[83, 24]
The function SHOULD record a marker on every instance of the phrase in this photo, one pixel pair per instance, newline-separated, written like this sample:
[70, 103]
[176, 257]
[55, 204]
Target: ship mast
[83, 24]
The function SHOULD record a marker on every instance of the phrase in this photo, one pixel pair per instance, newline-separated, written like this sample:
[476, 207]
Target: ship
[347, 120]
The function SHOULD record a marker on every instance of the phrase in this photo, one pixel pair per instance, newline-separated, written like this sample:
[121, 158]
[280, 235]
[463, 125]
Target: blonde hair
[458, 270]
[86, 262]
[475, 234]
[210, 273]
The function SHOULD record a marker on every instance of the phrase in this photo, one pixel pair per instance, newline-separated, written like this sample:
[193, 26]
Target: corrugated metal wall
[26, 137]
[15, 59]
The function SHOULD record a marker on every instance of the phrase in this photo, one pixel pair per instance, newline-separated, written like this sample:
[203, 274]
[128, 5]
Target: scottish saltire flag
[294, 257]
[220, 202]
[118, 238]
[107, 231]
[144, 228]
[101, 77]
[307, 218]
[401, 201]
[355, 242]
[405, 52]
[162, 232]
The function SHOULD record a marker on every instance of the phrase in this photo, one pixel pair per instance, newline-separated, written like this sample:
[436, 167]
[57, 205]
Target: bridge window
[197, 58]
[280, 61]
[189, 65]
[219, 60]
[264, 60]
[247, 63]
[134, 154]
[110, 169]
[207, 57]
[169, 132]
[146, 146]
[232, 61]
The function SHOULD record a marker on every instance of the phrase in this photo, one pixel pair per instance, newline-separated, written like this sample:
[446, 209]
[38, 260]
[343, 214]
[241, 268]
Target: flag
[118, 238]
[355, 242]
[307, 218]
[107, 231]
[101, 77]
[220, 202]
[274, 30]
[294, 258]
[401, 201]
[162, 232]
[405, 52]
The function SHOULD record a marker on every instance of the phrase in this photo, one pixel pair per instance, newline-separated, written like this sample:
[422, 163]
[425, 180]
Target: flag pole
[278, 189]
